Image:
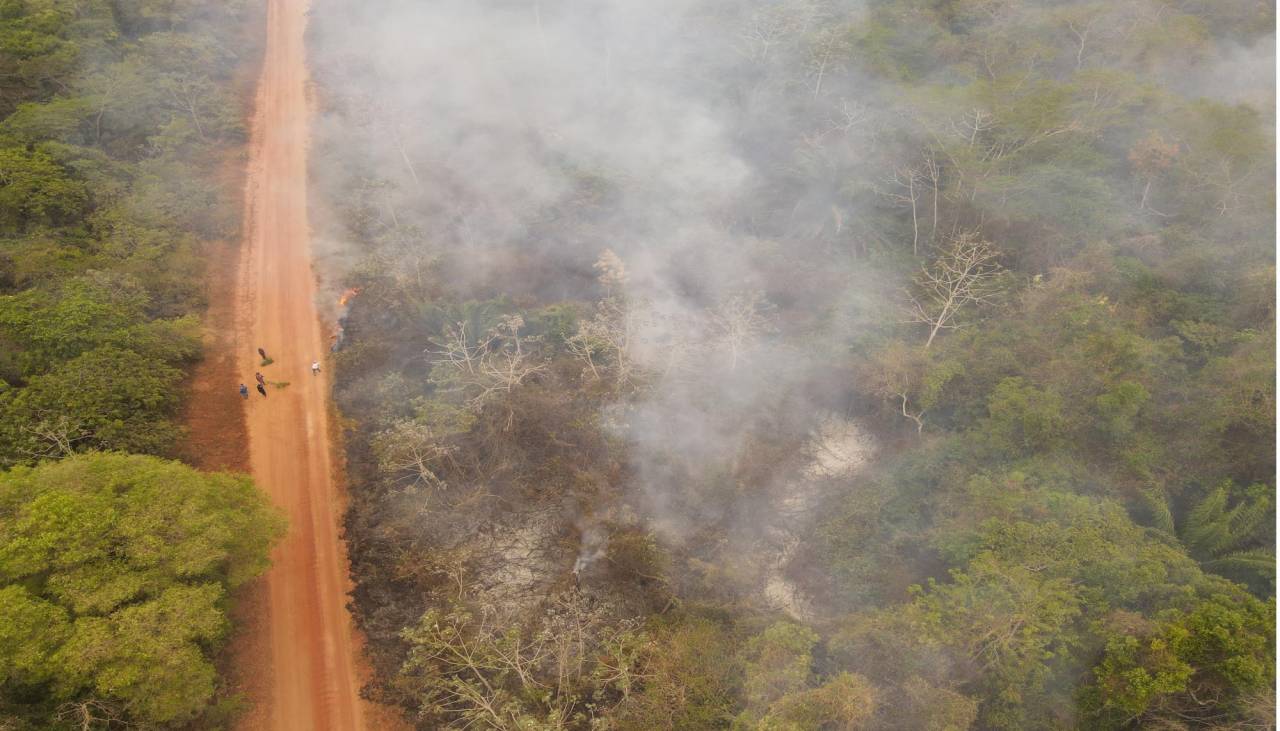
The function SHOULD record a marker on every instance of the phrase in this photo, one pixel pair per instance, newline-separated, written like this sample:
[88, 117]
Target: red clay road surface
[307, 668]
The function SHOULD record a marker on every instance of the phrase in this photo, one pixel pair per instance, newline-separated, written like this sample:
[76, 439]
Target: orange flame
[347, 296]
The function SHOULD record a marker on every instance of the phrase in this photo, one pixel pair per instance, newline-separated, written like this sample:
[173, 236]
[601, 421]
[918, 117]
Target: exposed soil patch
[217, 438]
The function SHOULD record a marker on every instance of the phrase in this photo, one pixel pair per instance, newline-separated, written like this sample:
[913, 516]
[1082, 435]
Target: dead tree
[607, 342]
[612, 272]
[964, 274]
[738, 321]
[90, 713]
[55, 436]
[907, 183]
[764, 30]
[826, 53]
[1151, 157]
[487, 668]
[494, 366]
[897, 373]
[413, 451]
[932, 173]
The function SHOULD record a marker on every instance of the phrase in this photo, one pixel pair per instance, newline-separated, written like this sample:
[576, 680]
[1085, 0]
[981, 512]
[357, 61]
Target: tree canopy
[114, 576]
[109, 119]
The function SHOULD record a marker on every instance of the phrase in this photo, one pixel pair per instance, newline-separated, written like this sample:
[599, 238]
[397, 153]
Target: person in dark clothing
[258, 377]
[262, 353]
[262, 390]
[244, 391]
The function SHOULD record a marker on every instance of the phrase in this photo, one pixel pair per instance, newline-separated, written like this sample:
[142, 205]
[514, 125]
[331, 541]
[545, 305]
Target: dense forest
[116, 563]
[112, 113]
[806, 364]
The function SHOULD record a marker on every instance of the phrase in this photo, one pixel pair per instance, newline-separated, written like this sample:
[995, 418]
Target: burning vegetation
[807, 365]
[340, 322]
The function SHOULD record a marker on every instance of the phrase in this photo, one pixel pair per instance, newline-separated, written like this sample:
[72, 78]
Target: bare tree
[963, 275]
[848, 115]
[826, 52]
[932, 172]
[607, 342]
[111, 90]
[971, 124]
[187, 94]
[906, 186]
[91, 713]
[56, 436]
[495, 365]
[613, 272]
[632, 340]
[765, 29]
[467, 652]
[1151, 157]
[910, 378]
[1081, 28]
[484, 669]
[916, 415]
[895, 373]
[739, 320]
[412, 450]
[841, 120]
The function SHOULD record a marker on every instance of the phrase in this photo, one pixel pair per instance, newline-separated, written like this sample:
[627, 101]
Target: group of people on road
[262, 381]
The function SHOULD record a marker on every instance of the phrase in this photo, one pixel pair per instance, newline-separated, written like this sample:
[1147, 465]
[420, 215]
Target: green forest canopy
[114, 580]
[112, 114]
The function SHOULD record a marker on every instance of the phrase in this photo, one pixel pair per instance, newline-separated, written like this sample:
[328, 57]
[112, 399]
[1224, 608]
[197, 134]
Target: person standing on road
[258, 377]
[315, 367]
[262, 353]
[262, 390]
[244, 391]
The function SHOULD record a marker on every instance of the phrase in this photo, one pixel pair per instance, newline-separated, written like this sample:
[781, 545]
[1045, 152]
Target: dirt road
[307, 669]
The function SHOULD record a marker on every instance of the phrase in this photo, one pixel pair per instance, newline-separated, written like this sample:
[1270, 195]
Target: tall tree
[114, 573]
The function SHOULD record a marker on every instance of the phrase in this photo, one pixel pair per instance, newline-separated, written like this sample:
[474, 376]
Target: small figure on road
[244, 391]
[262, 353]
[315, 367]
[258, 377]
[262, 390]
